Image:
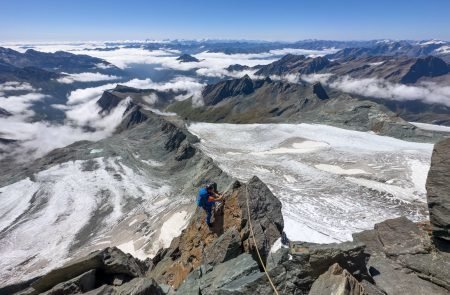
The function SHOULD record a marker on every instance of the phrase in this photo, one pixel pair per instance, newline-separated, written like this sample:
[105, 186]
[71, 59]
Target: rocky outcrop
[320, 91]
[337, 281]
[109, 271]
[438, 191]
[403, 259]
[229, 237]
[187, 58]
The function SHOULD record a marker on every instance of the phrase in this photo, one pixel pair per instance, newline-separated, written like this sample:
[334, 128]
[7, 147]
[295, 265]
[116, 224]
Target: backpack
[202, 197]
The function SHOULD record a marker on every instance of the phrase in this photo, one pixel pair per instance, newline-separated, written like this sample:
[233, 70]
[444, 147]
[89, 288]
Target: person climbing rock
[207, 197]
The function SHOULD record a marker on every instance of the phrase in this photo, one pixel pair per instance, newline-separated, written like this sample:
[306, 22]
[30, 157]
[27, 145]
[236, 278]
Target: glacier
[332, 182]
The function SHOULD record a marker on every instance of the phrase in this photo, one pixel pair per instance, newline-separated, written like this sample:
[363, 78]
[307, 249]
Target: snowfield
[332, 182]
[76, 207]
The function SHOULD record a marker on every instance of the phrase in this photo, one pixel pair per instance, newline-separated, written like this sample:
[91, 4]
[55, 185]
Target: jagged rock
[265, 216]
[108, 101]
[215, 93]
[137, 286]
[438, 191]
[228, 276]
[199, 245]
[185, 151]
[320, 91]
[337, 281]
[108, 261]
[226, 247]
[277, 257]
[81, 284]
[394, 237]
[305, 264]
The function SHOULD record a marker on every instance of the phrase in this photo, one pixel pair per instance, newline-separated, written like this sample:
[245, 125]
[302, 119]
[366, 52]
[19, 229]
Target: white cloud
[85, 77]
[150, 99]
[16, 86]
[20, 104]
[427, 92]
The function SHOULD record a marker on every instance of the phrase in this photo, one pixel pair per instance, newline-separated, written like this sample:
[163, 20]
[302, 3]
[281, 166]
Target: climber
[207, 197]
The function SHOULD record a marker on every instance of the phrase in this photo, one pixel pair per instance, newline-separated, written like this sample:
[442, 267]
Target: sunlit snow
[332, 182]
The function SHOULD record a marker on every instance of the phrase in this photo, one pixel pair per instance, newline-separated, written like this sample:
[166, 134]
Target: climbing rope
[256, 245]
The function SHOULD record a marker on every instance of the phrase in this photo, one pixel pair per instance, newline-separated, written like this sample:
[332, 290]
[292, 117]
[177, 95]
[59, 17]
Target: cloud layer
[85, 77]
[427, 92]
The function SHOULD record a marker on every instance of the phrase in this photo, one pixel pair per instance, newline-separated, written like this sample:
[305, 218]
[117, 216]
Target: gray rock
[433, 267]
[109, 261]
[394, 237]
[438, 190]
[137, 286]
[231, 274]
[393, 279]
[226, 247]
[265, 214]
[277, 258]
[337, 281]
[80, 284]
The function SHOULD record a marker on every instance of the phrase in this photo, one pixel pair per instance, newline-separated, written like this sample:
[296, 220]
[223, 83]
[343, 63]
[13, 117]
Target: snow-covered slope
[135, 190]
[332, 182]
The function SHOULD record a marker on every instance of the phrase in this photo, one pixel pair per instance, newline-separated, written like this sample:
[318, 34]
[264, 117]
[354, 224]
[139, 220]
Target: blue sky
[44, 20]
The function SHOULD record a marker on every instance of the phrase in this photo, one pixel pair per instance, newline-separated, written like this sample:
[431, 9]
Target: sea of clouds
[38, 137]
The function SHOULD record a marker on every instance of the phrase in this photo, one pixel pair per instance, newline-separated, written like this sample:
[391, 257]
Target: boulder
[81, 284]
[337, 281]
[438, 190]
[394, 237]
[109, 261]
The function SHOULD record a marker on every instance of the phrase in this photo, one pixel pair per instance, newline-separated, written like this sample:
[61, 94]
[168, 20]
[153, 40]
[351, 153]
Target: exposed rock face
[230, 235]
[426, 67]
[215, 93]
[298, 64]
[438, 190]
[403, 259]
[320, 91]
[337, 281]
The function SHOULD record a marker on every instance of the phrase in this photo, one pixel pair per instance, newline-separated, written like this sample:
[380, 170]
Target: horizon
[286, 21]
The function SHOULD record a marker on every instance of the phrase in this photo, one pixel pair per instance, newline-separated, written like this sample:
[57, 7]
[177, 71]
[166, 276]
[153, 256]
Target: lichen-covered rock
[337, 281]
[438, 190]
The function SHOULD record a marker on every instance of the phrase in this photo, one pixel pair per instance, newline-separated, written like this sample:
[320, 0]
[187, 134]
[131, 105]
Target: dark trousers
[208, 209]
